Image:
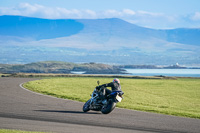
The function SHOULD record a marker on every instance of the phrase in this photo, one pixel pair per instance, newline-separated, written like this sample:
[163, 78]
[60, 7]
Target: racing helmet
[116, 80]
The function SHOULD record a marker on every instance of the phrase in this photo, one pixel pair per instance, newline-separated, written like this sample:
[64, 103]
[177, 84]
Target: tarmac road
[24, 110]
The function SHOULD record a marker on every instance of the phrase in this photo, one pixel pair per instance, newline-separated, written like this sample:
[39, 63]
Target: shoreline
[32, 75]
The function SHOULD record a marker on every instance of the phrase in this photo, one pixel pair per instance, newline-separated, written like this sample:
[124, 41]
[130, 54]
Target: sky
[156, 14]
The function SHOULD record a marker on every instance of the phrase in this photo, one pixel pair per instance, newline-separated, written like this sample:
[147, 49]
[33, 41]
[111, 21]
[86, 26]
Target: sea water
[165, 72]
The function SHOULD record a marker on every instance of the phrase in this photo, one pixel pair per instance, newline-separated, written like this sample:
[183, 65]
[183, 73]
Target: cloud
[145, 13]
[35, 10]
[196, 16]
[128, 12]
[142, 18]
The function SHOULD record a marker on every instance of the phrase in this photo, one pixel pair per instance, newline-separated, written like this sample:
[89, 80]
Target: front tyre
[86, 106]
[109, 107]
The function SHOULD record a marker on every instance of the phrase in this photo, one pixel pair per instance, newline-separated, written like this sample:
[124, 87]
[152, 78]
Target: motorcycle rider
[115, 86]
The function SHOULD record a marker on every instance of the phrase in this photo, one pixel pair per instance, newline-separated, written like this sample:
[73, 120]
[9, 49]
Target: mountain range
[112, 40]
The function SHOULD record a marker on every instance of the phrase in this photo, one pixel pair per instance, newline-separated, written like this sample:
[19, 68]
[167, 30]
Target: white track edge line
[21, 86]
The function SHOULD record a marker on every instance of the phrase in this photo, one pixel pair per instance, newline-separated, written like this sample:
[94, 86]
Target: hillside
[37, 29]
[94, 40]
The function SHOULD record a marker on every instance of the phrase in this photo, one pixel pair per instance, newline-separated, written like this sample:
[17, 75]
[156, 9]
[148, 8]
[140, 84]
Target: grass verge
[179, 97]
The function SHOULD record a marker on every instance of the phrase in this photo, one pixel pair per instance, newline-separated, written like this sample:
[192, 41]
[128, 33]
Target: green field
[179, 97]
[16, 131]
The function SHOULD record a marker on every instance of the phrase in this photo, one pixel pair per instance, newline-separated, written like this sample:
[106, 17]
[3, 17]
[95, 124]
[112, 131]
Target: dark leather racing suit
[114, 86]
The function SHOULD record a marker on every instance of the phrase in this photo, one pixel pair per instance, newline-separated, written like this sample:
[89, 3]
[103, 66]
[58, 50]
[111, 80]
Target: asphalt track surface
[24, 110]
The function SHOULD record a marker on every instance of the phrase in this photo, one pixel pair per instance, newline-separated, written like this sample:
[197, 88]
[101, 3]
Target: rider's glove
[98, 88]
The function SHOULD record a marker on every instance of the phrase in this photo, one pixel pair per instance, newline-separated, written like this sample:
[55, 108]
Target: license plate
[119, 99]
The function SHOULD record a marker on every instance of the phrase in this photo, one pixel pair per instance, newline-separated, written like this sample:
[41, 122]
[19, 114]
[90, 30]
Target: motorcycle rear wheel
[106, 109]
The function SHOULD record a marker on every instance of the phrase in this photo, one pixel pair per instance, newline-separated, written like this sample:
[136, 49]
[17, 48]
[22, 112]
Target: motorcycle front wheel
[109, 107]
[86, 106]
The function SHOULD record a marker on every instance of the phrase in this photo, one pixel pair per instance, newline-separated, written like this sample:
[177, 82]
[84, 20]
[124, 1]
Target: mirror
[98, 82]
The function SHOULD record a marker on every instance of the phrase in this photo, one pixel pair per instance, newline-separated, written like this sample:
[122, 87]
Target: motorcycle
[99, 102]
